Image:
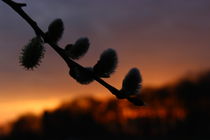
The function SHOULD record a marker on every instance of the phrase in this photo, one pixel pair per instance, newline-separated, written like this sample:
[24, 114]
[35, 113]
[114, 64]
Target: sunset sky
[165, 39]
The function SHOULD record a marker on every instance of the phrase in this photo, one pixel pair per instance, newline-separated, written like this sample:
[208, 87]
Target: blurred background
[167, 40]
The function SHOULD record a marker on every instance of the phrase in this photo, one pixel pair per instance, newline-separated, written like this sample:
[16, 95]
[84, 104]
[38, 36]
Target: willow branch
[18, 8]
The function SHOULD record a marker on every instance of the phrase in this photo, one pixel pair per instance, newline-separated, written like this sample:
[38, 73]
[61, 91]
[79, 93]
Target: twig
[18, 8]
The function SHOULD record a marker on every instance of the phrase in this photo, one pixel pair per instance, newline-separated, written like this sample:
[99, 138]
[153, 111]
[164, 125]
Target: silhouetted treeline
[177, 111]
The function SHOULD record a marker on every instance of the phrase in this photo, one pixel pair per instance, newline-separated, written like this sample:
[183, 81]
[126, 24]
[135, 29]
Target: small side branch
[18, 8]
[10, 2]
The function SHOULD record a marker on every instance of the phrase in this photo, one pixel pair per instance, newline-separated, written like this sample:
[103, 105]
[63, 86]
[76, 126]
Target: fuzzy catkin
[32, 53]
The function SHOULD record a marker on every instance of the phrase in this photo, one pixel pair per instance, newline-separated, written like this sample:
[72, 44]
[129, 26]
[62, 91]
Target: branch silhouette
[33, 52]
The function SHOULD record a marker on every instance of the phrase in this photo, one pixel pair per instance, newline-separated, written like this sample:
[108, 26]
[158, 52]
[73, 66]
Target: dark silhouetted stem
[18, 8]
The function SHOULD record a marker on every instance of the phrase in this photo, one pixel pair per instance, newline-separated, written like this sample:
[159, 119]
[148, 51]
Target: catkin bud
[107, 64]
[82, 75]
[32, 53]
[132, 82]
[55, 31]
[79, 49]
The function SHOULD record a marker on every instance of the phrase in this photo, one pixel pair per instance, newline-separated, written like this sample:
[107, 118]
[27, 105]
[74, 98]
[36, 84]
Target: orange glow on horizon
[19, 106]
[11, 110]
